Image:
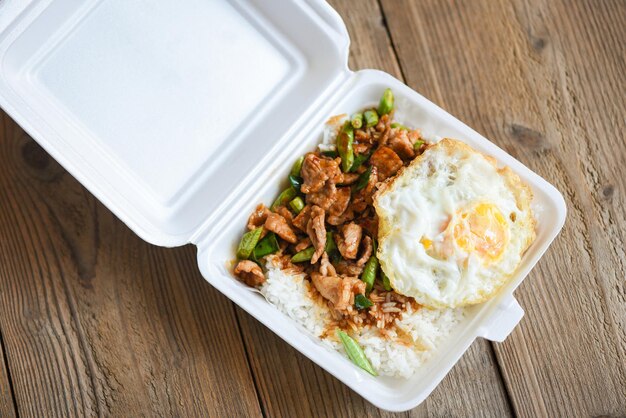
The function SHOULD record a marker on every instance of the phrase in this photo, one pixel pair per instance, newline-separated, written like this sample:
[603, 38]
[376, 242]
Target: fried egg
[453, 226]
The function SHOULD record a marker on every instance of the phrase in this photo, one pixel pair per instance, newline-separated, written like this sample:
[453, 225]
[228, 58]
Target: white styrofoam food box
[182, 116]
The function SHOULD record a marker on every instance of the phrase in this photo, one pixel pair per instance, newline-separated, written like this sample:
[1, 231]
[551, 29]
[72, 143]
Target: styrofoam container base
[493, 320]
[182, 116]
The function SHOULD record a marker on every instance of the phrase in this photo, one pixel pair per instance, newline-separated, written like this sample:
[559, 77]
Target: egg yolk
[426, 243]
[481, 230]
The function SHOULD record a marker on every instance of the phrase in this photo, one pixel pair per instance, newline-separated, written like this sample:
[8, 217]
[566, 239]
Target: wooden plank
[7, 404]
[98, 322]
[545, 81]
[291, 385]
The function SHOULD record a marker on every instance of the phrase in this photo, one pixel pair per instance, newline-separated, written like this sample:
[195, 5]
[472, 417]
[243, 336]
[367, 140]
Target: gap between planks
[8, 409]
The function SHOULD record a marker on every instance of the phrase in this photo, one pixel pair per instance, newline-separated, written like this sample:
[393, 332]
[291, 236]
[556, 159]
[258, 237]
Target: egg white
[422, 200]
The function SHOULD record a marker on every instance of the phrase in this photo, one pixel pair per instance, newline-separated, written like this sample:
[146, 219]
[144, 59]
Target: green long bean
[355, 352]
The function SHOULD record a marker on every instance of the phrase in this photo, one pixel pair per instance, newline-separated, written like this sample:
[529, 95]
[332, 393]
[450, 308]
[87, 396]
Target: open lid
[162, 109]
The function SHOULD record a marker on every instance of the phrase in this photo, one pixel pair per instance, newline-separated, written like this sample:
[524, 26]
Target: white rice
[426, 328]
[331, 129]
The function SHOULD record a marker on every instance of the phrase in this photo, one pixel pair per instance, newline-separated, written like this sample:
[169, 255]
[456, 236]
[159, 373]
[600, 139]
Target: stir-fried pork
[285, 213]
[258, 217]
[346, 216]
[339, 203]
[366, 253]
[317, 232]
[316, 171]
[324, 197]
[302, 219]
[349, 268]
[348, 240]
[326, 268]
[279, 225]
[400, 143]
[386, 161]
[338, 290]
[250, 273]
[303, 244]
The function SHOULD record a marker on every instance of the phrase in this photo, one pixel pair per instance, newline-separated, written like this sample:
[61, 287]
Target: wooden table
[94, 321]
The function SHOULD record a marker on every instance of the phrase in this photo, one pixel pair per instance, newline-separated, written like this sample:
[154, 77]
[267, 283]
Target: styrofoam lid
[162, 108]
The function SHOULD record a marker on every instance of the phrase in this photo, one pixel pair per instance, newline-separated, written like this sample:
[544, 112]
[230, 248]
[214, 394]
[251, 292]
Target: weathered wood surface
[7, 406]
[93, 321]
[97, 322]
[545, 80]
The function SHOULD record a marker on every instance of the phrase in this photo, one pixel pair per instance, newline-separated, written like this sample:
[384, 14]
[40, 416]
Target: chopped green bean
[363, 179]
[418, 144]
[362, 302]
[331, 153]
[357, 120]
[295, 181]
[297, 167]
[268, 245]
[399, 126]
[304, 255]
[355, 352]
[248, 242]
[359, 159]
[371, 118]
[297, 204]
[330, 243]
[386, 103]
[369, 273]
[386, 282]
[345, 139]
[283, 198]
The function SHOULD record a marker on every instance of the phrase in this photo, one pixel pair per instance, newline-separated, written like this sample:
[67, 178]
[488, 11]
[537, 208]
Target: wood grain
[545, 81]
[93, 321]
[7, 406]
[97, 322]
[290, 384]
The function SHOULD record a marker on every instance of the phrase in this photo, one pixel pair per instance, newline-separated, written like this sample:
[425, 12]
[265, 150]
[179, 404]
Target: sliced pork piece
[302, 219]
[316, 171]
[366, 252]
[349, 178]
[303, 244]
[279, 225]
[348, 240]
[361, 135]
[401, 144]
[250, 273]
[326, 268]
[258, 217]
[362, 148]
[340, 202]
[317, 232]
[383, 128]
[338, 290]
[386, 161]
[348, 268]
[285, 213]
[324, 197]
[346, 216]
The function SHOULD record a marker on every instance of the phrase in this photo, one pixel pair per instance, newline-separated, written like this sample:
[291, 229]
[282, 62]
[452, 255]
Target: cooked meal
[382, 237]
[452, 226]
